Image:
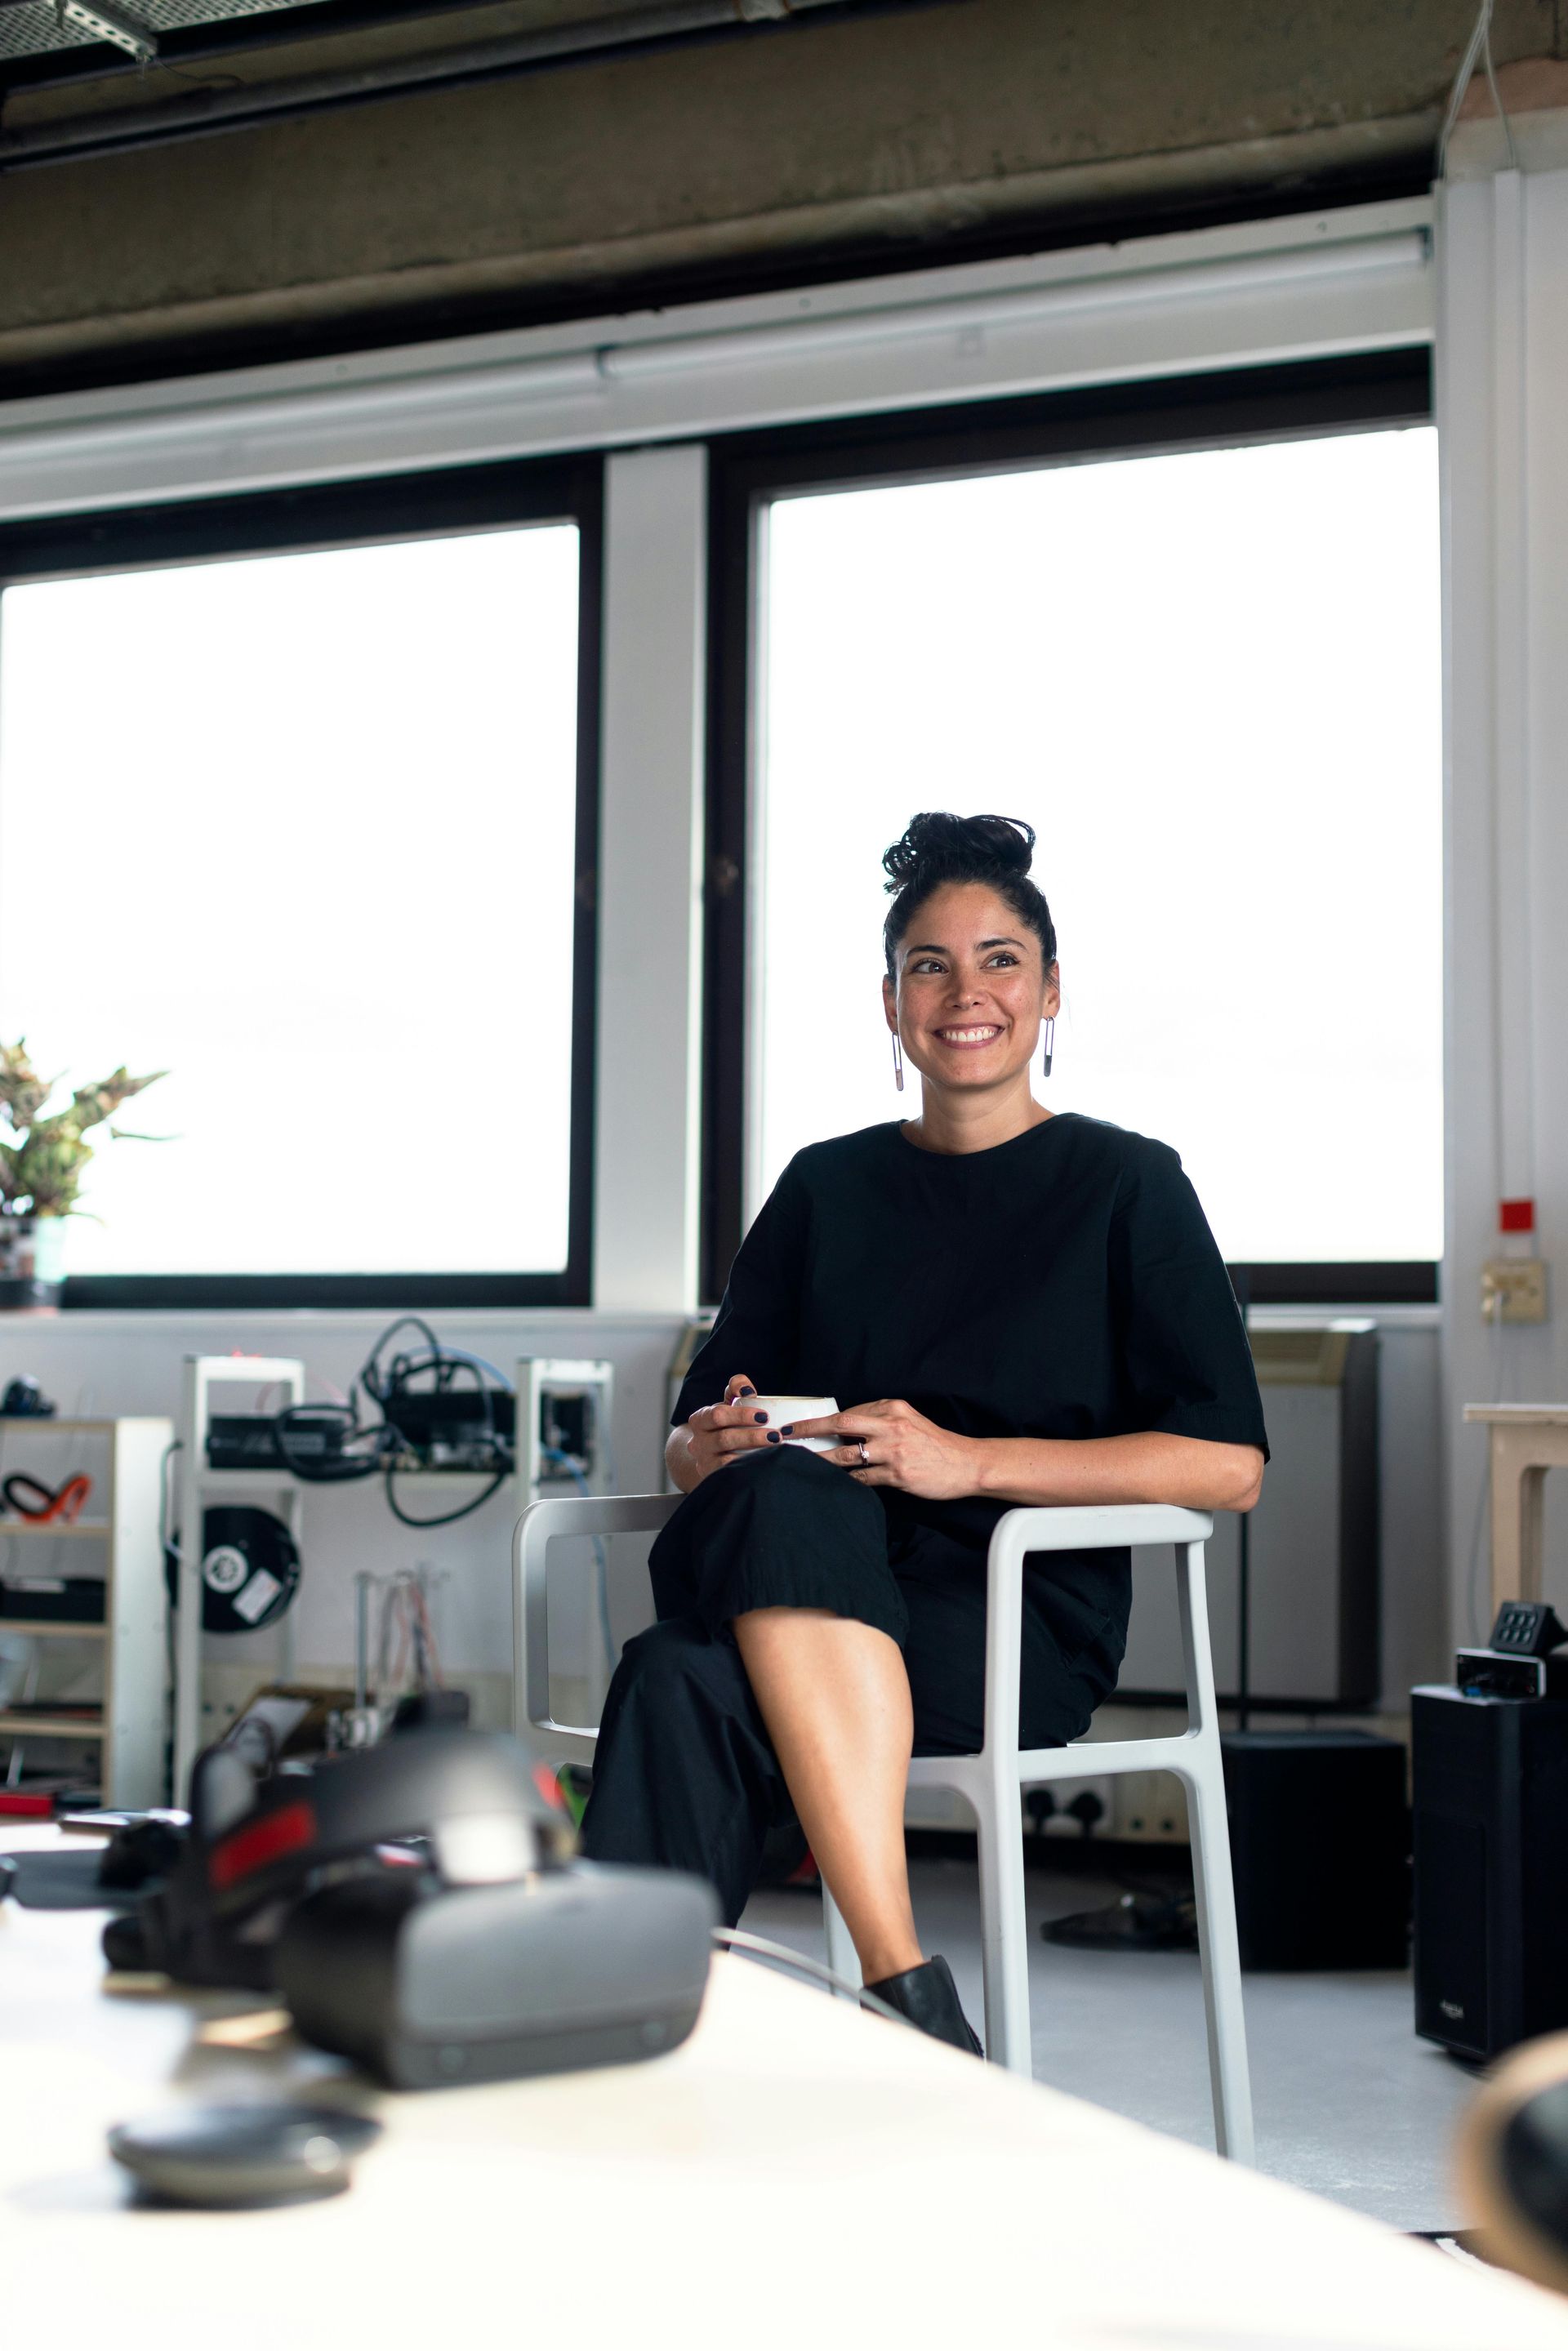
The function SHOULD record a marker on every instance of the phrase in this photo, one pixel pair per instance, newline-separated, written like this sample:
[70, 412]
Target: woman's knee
[783, 1530]
[798, 1488]
[678, 1669]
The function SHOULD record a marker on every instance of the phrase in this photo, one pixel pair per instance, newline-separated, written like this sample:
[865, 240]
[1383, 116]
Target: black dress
[1063, 1284]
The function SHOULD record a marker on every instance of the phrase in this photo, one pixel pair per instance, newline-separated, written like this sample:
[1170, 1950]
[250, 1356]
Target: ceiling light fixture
[110, 24]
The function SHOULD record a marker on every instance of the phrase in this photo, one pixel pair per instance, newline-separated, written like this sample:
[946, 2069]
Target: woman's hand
[718, 1434]
[906, 1450]
[891, 1444]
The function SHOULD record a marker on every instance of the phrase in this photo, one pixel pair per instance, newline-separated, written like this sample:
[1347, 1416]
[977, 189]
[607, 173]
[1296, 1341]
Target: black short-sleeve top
[1064, 1283]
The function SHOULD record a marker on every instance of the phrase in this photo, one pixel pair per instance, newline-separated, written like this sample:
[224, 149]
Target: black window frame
[316, 519]
[1301, 400]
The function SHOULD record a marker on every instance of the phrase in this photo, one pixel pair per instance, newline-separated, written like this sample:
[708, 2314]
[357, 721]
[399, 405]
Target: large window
[1209, 676]
[304, 827]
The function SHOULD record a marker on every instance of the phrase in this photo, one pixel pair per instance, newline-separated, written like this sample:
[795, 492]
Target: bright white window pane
[295, 829]
[1210, 681]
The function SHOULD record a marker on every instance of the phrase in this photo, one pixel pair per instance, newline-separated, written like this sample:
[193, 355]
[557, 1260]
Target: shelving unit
[131, 1637]
[24, 1726]
[47, 1629]
[82, 1531]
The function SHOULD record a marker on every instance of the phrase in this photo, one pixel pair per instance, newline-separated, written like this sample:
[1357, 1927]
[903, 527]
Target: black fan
[250, 1569]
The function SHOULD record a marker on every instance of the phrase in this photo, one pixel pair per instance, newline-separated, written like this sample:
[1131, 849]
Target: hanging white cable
[1477, 49]
[757, 1947]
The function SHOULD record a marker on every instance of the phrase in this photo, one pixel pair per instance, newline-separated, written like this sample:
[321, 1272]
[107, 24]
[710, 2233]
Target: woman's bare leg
[836, 1697]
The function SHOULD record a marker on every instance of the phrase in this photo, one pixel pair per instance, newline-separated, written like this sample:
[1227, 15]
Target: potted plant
[43, 1158]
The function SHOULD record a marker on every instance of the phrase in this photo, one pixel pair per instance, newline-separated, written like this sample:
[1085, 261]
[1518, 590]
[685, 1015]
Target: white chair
[992, 1782]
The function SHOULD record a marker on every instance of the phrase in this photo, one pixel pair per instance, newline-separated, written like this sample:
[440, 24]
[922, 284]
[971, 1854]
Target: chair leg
[1004, 1929]
[843, 1957]
[1220, 1957]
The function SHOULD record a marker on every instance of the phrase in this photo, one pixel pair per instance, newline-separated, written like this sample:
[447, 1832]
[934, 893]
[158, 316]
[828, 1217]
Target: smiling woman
[1025, 1308]
[979, 994]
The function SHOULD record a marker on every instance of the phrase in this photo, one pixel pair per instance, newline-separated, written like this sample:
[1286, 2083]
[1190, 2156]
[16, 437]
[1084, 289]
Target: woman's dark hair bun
[937, 847]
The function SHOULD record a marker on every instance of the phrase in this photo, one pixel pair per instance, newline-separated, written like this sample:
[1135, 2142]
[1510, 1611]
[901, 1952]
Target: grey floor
[1348, 2102]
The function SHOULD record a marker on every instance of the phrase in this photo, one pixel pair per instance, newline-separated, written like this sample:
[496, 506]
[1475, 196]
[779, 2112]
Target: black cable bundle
[367, 1448]
[385, 1388]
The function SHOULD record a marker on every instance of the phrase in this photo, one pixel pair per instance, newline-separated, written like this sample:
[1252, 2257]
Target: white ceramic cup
[783, 1411]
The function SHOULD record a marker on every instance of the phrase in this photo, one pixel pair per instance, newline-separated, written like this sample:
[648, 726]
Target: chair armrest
[541, 1524]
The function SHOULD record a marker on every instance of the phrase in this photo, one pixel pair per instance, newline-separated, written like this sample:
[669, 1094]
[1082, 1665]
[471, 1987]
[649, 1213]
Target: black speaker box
[1320, 1845]
[1492, 1868]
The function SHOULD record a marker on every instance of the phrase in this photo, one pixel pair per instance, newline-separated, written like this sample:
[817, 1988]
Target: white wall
[647, 1166]
[1502, 408]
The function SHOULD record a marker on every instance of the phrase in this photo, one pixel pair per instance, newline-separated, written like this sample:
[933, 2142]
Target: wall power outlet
[1513, 1290]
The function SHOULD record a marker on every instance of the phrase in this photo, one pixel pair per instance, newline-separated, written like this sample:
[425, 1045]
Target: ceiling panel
[31, 28]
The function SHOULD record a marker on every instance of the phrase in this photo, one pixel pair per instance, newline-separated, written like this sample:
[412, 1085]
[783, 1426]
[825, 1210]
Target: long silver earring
[1050, 1026]
[897, 1062]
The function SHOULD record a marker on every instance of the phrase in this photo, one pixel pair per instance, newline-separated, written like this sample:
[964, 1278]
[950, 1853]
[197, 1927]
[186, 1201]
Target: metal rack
[129, 1725]
[541, 1384]
[197, 1484]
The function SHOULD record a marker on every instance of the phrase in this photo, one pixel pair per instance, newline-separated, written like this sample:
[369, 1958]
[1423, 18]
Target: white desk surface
[797, 2175]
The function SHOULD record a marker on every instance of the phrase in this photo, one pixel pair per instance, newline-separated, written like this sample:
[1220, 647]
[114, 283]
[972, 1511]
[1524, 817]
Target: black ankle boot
[928, 1997]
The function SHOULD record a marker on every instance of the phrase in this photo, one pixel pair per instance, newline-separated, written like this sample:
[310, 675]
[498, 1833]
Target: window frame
[318, 518]
[1301, 400]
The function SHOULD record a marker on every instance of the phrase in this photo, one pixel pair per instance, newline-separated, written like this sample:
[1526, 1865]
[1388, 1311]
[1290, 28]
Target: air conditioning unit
[1314, 1539]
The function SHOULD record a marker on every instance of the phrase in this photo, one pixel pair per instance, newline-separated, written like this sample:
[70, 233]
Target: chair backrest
[1101, 1526]
[541, 1524]
[1019, 1532]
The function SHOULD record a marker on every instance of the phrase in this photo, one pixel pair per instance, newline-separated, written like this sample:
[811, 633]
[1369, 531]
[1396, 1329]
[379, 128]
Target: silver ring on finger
[865, 1457]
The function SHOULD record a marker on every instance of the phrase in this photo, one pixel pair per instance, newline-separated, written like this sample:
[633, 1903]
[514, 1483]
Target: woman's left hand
[891, 1444]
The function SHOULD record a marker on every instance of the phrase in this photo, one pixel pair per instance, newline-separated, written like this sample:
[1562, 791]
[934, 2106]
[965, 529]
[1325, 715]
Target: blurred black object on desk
[418, 1906]
[235, 2159]
[142, 1848]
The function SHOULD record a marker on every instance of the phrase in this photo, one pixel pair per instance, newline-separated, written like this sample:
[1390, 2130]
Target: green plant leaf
[45, 1166]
